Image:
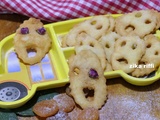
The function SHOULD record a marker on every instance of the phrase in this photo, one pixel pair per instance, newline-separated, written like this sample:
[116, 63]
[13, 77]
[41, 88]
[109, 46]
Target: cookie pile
[104, 43]
[120, 42]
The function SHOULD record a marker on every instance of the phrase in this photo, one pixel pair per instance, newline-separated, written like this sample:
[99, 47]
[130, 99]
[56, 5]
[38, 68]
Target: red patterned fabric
[58, 10]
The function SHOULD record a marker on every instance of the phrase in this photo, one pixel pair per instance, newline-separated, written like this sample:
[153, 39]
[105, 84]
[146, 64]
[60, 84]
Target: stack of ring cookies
[114, 44]
[124, 41]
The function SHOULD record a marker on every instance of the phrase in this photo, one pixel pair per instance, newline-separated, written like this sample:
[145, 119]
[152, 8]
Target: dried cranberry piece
[24, 30]
[41, 31]
[93, 73]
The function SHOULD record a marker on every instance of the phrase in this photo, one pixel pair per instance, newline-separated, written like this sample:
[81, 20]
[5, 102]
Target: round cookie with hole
[128, 50]
[31, 37]
[87, 81]
[151, 59]
[140, 23]
[86, 42]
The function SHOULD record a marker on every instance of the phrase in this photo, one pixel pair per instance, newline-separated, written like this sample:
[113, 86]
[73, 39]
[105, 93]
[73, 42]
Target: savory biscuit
[30, 37]
[87, 82]
[121, 60]
[86, 42]
[151, 59]
[107, 41]
[140, 23]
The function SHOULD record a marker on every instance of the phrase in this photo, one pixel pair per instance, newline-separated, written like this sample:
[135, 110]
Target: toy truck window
[38, 72]
[13, 63]
[42, 71]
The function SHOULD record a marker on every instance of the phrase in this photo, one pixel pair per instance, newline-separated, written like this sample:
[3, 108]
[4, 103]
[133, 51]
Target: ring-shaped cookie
[80, 80]
[35, 41]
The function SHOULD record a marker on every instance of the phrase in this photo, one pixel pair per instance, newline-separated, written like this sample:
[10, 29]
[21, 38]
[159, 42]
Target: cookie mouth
[31, 52]
[89, 93]
[129, 28]
[122, 61]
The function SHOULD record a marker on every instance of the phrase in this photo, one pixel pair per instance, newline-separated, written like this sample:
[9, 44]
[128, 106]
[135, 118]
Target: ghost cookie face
[86, 42]
[139, 23]
[151, 57]
[120, 59]
[31, 37]
[87, 82]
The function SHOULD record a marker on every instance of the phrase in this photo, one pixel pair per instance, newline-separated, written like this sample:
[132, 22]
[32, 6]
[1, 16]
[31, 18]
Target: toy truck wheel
[12, 91]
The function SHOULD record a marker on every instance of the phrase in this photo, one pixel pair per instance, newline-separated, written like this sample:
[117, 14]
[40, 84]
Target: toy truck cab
[19, 81]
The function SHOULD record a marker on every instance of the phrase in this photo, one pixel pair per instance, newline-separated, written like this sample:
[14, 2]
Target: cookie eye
[123, 43]
[41, 31]
[91, 44]
[138, 14]
[156, 53]
[76, 71]
[93, 73]
[93, 22]
[134, 46]
[24, 30]
[148, 46]
[107, 45]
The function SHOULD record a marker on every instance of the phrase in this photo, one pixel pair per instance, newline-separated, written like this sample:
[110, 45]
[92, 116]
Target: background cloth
[59, 10]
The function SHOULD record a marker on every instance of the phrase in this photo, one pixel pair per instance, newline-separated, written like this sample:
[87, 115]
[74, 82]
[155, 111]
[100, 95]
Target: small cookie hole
[134, 46]
[107, 45]
[31, 52]
[138, 14]
[148, 46]
[76, 71]
[147, 21]
[156, 53]
[122, 61]
[123, 43]
[91, 45]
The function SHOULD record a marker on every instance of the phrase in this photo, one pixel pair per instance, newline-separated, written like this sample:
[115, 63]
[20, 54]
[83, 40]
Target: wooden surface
[125, 101]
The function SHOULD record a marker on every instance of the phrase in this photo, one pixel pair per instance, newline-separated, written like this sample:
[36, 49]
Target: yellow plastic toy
[19, 82]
